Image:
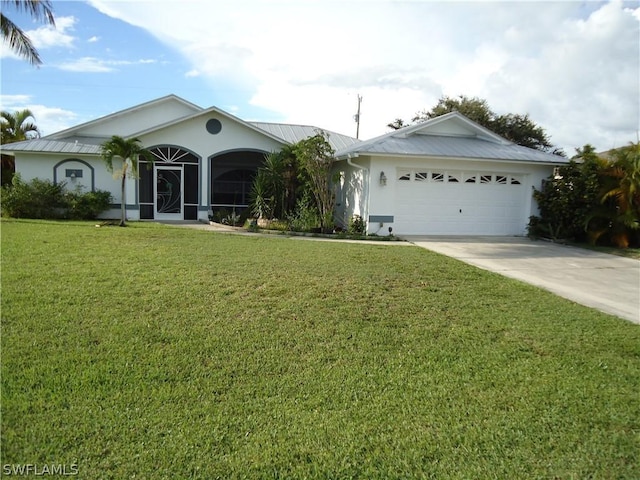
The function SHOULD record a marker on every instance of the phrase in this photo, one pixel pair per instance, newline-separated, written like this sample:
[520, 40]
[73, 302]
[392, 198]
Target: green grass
[621, 252]
[160, 352]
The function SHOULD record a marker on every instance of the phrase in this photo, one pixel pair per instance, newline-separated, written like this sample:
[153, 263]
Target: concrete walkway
[606, 282]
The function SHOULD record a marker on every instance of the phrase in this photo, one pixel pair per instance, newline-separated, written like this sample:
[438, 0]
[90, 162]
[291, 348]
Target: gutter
[349, 162]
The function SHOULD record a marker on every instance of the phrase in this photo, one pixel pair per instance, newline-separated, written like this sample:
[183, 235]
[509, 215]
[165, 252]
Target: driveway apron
[606, 282]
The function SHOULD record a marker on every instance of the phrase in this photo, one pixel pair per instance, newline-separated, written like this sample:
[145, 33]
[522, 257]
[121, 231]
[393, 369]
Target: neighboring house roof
[451, 135]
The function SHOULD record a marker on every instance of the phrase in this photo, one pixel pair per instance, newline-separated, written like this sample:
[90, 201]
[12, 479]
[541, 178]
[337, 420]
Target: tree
[129, 151]
[315, 155]
[40, 10]
[15, 127]
[568, 199]
[522, 130]
[516, 128]
[474, 109]
[617, 219]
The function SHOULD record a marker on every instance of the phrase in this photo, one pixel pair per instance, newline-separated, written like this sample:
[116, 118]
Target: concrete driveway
[606, 282]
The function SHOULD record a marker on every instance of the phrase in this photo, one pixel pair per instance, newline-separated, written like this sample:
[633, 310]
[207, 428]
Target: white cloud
[48, 36]
[98, 65]
[93, 39]
[86, 65]
[573, 66]
[48, 119]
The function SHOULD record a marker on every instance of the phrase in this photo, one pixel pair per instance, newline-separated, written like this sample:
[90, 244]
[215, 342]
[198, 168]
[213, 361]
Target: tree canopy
[514, 127]
[15, 127]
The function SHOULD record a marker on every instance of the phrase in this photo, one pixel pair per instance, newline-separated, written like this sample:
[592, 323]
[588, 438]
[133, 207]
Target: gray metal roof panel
[43, 145]
[295, 133]
[451, 146]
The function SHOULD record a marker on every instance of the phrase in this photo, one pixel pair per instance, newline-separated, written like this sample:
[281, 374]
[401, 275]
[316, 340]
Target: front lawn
[160, 352]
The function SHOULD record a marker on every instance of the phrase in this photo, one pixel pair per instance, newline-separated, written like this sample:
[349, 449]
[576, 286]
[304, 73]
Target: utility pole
[356, 117]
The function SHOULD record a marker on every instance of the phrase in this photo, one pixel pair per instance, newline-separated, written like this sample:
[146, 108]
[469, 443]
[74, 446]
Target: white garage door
[459, 203]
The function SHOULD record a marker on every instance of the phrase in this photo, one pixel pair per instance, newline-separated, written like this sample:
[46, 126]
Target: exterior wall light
[383, 179]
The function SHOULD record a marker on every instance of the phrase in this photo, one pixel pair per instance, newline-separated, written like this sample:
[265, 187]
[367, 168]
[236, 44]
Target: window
[437, 177]
[470, 179]
[453, 178]
[421, 176]
[405, 176]
[485, 178]
[514, 181]
[501, 179]
[73, 173]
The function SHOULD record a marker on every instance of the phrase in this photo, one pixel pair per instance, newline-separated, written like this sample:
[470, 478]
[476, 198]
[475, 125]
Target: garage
[437, 202]
[445, 176]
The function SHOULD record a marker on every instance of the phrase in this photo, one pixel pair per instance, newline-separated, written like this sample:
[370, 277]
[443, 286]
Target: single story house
[445, 176]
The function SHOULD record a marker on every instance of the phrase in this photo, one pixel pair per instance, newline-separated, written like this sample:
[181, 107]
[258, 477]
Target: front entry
[168, 192]
[170, 188]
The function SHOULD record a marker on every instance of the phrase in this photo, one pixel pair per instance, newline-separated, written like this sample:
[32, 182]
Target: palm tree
[130, 151]
[618, 218]
[625, 169]
[19, 42]
[15, 127]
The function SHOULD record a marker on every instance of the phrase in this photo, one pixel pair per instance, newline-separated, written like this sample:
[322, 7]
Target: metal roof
[424, 140]
[458, 147]
[91, 145]
[295, 133]
[43, 145]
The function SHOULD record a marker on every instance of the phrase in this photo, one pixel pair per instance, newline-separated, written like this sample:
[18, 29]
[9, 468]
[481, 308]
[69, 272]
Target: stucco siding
[351, 192]
[401, 204]
[94, 173]
[193, 135]
[138, 120]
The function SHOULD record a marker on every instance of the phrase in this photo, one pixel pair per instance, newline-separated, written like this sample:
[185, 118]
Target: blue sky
[573, 66]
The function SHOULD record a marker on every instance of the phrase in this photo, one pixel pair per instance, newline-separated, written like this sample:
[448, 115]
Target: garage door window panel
[469, 178]
[404, 175]
[454, 178]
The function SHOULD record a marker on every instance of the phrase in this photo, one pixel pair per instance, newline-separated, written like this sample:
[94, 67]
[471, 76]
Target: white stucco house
[205, 158]
[446, 176]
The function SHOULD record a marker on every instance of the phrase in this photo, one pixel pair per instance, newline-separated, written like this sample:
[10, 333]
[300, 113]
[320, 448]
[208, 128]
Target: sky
[572, 66]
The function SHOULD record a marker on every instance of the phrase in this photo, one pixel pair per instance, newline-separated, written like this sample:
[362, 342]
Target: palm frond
[18, 41]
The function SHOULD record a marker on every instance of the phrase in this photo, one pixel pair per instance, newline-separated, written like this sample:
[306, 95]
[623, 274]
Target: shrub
[305, 218]
[87, 206]
[356, 225]
[47, 200]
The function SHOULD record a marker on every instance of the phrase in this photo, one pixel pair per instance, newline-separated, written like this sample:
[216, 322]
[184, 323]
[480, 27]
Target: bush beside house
[47, 200]
[594, 199]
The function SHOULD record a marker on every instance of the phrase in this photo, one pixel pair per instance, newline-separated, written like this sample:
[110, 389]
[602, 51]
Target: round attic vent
[214, 126]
